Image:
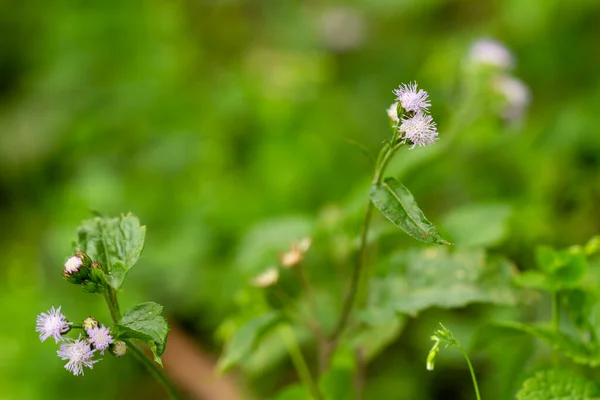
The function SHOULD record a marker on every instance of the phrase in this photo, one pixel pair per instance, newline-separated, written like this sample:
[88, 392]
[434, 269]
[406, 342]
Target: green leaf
[580, 352]
[246, 338]
[478, 225]
[557, 384]
[398, 205]
[534, 280]
[144, 322]
[434, 277]
[380, 329]
[115, 242]
[294, 392]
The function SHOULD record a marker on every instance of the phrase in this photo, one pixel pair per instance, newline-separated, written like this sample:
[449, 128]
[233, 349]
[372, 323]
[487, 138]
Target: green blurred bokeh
[205, 118]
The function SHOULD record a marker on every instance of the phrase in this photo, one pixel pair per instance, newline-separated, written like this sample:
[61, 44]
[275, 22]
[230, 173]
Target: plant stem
[555, 312]
[110, 296]
[299, 362]
[470, 369]
[358, 274]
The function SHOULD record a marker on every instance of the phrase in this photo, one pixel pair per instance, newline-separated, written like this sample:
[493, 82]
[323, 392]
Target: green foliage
[116, 243]
[247, 338]
[436, 277]
[144, 322]
[398, 205]
[478, 225]
[558, 384]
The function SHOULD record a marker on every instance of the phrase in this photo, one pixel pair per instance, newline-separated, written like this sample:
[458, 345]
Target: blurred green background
[206, 118]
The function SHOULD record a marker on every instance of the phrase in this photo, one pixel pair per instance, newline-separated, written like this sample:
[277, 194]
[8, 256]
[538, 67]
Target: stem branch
[287, 334]
[472, 371]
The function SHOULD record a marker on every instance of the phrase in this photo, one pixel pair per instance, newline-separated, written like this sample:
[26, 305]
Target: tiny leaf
[398, 205]
[144, 322]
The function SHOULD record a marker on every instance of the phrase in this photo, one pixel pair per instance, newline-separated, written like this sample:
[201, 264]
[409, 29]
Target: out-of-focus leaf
[294, 392]
[435, 277]
[558, 384]
[559, 269]
[115, 242]
[478, 225]
[398, 205]
[144, 322]
[534, 280]
[581, 353]
[246, 338]
[381, 329]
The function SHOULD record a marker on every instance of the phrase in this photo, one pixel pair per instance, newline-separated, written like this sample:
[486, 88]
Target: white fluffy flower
[72, 265]
[52, 324]
[100, 338]
[267, 278]
[392, 113]
[79, 353]
[412, 99]
[515, 93]
[419, 129]
[492, 53]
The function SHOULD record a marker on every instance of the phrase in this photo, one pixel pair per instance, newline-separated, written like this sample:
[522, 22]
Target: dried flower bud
[118, 348]
[267, 278]
[296, 253]
[89, 323]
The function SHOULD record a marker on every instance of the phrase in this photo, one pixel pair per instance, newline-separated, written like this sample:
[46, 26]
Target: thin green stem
[153, 369]
[110, 296]
[555, 312]
[358, 274]
[288, 336]
[470, 369]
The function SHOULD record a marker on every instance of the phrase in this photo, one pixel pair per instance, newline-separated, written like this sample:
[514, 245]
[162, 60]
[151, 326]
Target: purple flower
[79, 354]
[412, 99]
[100, 338]
[419, 129]
[52, 324]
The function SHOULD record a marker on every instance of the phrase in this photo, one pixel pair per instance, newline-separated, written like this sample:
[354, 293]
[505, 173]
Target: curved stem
[472, 371]
[110, 296]
[153, 369]
[298, 360]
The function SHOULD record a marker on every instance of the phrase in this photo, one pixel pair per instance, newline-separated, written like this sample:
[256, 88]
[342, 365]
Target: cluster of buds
[288, 259]
[410, 117]
[493, 57]
[78, 353]
[81, 270]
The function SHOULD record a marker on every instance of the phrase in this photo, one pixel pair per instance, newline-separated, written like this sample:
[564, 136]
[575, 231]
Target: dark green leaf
[398, 205]
[144, 322]
[115, 242]
[558, 384]
[246, 338]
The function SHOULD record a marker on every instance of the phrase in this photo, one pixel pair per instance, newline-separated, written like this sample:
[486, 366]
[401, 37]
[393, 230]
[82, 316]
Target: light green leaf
[144, 322]
[434, 277]
[115, 242]
[247, 338]
[558, 384]
[398, 205]
[380, 329]
[580, 352]
[294, 392]
[478, 225]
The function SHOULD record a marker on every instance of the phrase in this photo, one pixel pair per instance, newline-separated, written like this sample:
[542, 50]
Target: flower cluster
[410, 115]
[81, 270]
[495, 59]
[78, 352]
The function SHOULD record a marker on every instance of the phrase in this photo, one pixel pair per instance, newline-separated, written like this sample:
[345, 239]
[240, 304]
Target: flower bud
[89, 323]
[267, 278]
[118, 348]
[77, 268]
[432, 354]
[97, 274]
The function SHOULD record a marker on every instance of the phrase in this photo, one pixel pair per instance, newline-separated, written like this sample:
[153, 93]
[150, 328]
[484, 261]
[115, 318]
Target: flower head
[79, 353]
[52, 324]
[89, 323]
[72, 265]
[491, 52]
[100, 338]
[119, 348]
[267, 278]
[516, 96]
[412, 99]
[392, 113]
[419, 129]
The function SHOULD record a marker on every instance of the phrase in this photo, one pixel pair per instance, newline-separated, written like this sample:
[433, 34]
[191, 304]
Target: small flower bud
[89, 323]
[118, 348]
[296, 253]
[267, 278]
[77, 268]
[432, 354]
